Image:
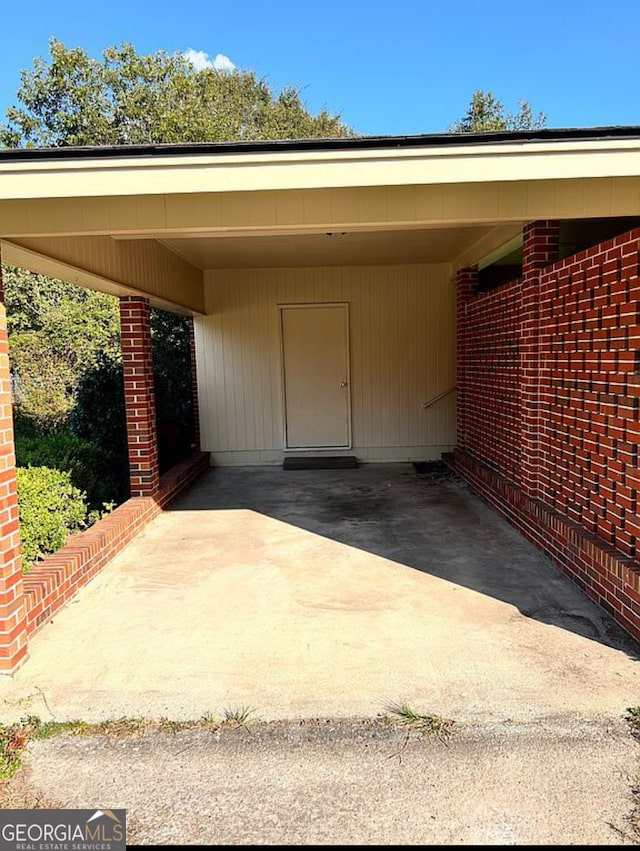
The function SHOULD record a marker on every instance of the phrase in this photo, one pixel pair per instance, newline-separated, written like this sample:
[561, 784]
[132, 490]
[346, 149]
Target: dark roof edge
[354, 143]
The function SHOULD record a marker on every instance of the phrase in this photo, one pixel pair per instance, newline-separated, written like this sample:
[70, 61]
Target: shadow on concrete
[432, 524]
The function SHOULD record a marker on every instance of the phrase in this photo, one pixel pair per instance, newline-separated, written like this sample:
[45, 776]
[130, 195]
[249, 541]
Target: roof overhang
[127, 219]
[162, 170]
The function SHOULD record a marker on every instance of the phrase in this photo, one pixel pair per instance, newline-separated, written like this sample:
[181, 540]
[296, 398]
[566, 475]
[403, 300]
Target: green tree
[485, 112]
[130, 98]
[56, 332]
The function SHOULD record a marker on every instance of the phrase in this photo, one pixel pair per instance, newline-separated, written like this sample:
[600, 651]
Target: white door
[315, 355]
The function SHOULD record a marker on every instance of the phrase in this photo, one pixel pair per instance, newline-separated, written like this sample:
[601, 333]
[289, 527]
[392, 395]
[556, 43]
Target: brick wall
[569, 478]
[194, 384]
[466, 286]
[589, 355]
[540, 242]
[492, 379]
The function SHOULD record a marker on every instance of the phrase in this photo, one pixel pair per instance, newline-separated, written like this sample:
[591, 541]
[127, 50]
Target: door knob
[343, 384]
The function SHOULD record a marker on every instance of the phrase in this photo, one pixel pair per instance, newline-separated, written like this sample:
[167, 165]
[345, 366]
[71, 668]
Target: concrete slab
[327, 593]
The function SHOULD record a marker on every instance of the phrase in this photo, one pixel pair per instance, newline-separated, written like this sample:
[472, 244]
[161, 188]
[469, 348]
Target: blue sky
[387, 67]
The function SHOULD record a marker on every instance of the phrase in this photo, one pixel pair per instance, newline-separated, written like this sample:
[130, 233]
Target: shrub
[99, 418]
[172, 382]
[90, 467]
[50, 507]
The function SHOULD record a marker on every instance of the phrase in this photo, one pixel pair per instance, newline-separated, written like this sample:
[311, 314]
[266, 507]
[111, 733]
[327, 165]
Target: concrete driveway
[327, 594]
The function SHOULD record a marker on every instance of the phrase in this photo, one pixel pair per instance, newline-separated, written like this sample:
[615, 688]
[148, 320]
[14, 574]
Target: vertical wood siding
[402, 339]
[145, 265]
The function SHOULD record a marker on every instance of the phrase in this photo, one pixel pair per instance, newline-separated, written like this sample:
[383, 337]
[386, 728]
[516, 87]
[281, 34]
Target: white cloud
[198, 58]
[223, 63]
[201, 60]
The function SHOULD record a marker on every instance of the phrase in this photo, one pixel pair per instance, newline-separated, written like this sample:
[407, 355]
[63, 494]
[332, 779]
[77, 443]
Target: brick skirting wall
[55, 579]
[549, 408]
[604, 573]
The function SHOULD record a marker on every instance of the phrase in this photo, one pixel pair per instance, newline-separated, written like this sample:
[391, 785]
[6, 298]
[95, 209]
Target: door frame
[310, 306]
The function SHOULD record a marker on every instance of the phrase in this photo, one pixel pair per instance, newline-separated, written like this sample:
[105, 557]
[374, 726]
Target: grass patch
[428, 724]
[239, 717]
[15, 737]
[633, 719]
[168, 725]
[38, 729]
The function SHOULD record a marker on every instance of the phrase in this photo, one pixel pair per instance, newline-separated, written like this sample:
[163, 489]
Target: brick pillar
[13, 619]
[540, 245]
[466, 287]
[195, 406]
[139, 396]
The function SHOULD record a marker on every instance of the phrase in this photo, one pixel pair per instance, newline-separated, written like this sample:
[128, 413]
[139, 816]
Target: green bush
[99, 418]
[50, 507]
[90, 467]
[172, 381]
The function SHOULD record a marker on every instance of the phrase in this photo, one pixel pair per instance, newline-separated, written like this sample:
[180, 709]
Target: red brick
[13, 624]
[135, 338]
[548, 386]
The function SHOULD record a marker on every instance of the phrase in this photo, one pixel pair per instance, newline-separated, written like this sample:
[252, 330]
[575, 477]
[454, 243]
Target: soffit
[352, 248]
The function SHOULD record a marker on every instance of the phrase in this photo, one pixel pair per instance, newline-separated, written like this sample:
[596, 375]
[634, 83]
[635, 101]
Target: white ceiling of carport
[354, 248]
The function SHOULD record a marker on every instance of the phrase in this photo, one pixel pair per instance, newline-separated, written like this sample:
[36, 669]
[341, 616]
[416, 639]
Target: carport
[319, 277]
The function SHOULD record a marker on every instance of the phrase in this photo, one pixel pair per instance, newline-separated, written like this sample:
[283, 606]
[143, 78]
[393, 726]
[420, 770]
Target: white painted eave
[295, 170]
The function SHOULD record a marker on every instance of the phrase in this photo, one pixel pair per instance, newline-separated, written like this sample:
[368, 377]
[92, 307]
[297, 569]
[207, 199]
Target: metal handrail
[438, 397]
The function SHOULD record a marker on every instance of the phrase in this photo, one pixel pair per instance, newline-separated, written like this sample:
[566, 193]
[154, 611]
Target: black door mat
[320, 462]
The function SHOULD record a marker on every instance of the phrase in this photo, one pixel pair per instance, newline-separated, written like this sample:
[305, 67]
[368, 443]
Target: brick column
[139, 396]
[540, 245]
[195, 406]
[466, 287]
[13, 620]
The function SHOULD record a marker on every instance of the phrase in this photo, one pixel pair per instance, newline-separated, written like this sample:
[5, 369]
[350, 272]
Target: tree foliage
[128, 98]
[485, 112]
[56, 332]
